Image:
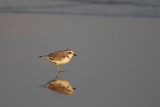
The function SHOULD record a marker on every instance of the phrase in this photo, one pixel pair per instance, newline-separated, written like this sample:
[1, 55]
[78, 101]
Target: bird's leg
[57, 75]
[58, 72]
[58, 68]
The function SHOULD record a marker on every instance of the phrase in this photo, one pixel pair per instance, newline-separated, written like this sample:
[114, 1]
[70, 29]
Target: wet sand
[117, 63]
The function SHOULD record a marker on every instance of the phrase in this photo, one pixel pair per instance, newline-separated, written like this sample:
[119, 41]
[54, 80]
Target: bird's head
[70, 53]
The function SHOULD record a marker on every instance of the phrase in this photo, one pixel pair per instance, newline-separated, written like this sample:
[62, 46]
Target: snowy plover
[60, 57]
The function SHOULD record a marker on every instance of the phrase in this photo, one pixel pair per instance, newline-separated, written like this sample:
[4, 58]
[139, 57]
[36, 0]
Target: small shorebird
[59, 57]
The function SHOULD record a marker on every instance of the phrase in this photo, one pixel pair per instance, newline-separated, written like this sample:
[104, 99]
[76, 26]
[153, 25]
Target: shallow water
[117, 63]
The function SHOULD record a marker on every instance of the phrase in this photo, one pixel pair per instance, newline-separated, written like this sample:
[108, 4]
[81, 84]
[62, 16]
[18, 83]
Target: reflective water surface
[117, 63]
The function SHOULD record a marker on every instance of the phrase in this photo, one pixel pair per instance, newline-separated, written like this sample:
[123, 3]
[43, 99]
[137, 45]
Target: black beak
[74, 54]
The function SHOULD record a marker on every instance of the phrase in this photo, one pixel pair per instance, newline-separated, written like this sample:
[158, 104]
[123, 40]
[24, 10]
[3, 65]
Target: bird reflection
[60, 86]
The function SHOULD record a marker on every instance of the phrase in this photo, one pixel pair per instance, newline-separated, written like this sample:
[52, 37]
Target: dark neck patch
[67, 56]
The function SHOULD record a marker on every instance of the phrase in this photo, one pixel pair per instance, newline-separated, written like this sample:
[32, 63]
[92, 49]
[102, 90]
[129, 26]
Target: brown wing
[58, 55]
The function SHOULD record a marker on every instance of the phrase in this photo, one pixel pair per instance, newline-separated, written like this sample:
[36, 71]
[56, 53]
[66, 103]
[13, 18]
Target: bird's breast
[64, 61]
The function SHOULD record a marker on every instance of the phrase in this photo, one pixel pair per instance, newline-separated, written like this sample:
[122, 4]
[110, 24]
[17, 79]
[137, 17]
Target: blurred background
[117, 43]
[149, 8]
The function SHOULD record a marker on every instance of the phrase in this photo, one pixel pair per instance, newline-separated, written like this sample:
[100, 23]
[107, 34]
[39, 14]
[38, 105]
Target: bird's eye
[69, 52]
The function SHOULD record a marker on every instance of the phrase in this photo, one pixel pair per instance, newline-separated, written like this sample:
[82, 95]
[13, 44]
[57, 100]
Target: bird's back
[58, 55]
